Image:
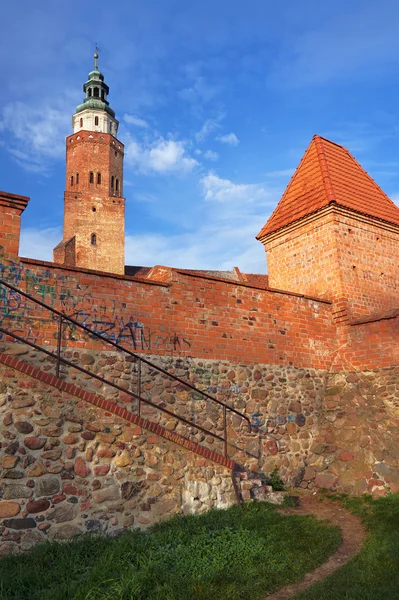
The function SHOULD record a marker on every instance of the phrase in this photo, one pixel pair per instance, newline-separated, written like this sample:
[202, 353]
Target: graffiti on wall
[109, 319]
[385, 280]
[261, 423]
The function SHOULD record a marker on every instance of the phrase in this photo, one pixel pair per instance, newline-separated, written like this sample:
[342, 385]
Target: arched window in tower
[71, 179]
[81, 122]
[95, 120]
[112, 182]
[89, 92]
[77, 178]
[91, 177]
[117, 185]
[102, 95]
[95, 92]
[93, 239]
[98, 178]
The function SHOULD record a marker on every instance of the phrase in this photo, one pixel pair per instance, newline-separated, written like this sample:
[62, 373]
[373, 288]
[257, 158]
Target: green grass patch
[373, 574]
[240, 553]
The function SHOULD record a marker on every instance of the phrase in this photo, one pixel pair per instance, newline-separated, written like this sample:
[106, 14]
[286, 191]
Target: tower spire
[95, 113]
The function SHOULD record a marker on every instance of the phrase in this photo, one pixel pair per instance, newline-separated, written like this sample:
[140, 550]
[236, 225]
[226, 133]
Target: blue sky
[217, 101]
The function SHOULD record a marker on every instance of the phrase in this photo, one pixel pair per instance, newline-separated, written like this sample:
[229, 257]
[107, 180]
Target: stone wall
[68, 468]
[356, 449]
[282, 403]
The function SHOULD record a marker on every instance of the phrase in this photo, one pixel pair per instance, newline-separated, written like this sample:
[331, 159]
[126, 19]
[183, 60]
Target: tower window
[93, 239]
[77, 178]
[102, 95]
[71, 179]
[81, 122]
[91, 177]
[117, 185]
[89, 92]
[95, 120]
[99, 178]
[112, 182]
[95, 92]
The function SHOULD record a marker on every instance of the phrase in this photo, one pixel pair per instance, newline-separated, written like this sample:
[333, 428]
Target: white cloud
[223, 190]
[213, 246]
[159, 156]
[208, 127]
[210, 155]
[219, 234]
[200, 91]
[37, 135]
[135, 120]
[229, 138]
[39, 243]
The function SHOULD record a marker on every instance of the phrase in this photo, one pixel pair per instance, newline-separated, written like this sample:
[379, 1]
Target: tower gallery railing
[61, 319]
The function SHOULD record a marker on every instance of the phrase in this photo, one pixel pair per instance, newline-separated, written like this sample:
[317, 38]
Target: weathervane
[96, 57]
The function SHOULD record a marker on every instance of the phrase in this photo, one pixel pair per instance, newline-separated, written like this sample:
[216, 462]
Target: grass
[373, 574]
[244, 552]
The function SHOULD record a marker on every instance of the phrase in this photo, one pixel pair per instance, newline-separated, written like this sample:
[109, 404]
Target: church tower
[94, 207]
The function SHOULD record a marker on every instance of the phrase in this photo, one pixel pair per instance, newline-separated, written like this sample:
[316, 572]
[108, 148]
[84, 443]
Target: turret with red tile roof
[335, 234]
[329, 174]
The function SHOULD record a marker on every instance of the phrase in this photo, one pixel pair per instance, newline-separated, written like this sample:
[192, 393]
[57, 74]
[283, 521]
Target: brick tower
[94, 209]
[335, 235]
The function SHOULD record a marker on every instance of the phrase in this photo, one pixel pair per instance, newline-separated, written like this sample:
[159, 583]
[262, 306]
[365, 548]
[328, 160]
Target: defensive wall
[322, 394]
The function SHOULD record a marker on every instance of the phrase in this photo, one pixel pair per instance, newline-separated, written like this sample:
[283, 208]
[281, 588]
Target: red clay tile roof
[327, 174]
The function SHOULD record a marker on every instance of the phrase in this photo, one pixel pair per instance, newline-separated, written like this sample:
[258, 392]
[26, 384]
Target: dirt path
[353, 534]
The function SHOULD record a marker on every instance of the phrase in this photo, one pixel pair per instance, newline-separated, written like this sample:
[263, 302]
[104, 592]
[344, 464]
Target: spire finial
[96, 58]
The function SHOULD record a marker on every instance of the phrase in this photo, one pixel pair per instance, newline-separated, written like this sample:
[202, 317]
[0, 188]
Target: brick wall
[191, 316]
[347, 258]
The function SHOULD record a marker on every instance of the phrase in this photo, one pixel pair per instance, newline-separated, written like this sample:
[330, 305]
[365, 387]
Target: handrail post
[225, 429]
[139, 386]
[59, 338]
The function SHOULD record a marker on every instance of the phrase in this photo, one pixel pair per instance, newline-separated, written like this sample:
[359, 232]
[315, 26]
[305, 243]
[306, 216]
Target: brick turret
[335, 235]
[94, 208]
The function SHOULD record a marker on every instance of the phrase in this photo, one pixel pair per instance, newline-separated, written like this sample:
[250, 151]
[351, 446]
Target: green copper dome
[96, 92]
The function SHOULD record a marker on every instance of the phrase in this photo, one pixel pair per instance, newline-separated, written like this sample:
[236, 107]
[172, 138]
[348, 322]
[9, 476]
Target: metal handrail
[59, 359]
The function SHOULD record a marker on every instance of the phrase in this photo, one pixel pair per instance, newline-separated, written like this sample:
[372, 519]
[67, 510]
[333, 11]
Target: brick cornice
[14, 201]
[330, 210]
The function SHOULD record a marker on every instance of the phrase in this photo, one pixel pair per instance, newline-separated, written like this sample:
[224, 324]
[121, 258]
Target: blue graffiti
[261, 423]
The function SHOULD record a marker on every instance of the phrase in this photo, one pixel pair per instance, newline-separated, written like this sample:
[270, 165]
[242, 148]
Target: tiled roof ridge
[322, 139]
[323, 164]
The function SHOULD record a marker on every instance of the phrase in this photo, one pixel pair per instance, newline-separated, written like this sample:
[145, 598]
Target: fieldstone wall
[357, 447]
[68, 467]
[282, 403]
